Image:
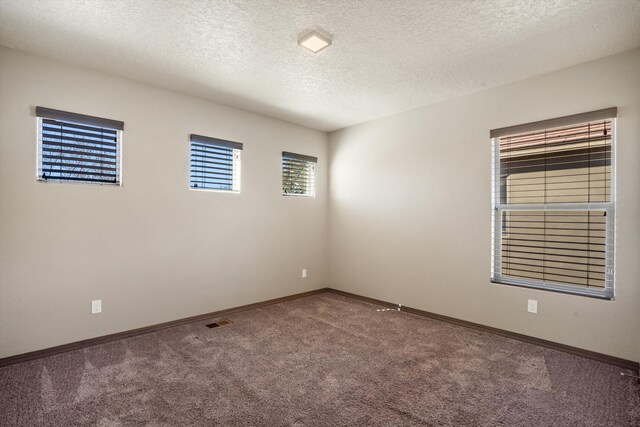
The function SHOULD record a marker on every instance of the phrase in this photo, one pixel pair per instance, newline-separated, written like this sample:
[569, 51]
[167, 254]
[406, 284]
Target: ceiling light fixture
[314, 41]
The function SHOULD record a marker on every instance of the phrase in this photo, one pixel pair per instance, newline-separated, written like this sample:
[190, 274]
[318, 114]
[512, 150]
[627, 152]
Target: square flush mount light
[314, 41]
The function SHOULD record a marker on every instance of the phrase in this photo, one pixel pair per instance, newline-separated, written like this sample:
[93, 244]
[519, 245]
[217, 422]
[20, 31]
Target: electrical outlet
[96, 306]
[304, 273]
[532, 306]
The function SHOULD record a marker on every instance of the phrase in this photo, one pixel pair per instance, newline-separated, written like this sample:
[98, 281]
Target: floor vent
[218, 324]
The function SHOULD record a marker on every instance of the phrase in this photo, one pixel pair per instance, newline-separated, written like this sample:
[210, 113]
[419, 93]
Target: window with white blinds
[78, 148]
[554, 204]
[298, 174]
[215, 164]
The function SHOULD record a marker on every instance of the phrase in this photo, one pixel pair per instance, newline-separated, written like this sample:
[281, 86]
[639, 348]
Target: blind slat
[210, 150]
[53, 146]
[107, 135]
[67, 166]
[58, 172]
[85, 159]
[196, 155]
[84, 179]
[200, 160]
[66, 136]
[51, 153]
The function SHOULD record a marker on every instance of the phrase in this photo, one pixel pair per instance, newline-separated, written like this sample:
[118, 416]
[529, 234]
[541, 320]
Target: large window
[215, 164]
[554, 204]
[78, 148]
[298, 174]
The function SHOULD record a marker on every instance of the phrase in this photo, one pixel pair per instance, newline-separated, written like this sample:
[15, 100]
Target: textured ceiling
[387, 56]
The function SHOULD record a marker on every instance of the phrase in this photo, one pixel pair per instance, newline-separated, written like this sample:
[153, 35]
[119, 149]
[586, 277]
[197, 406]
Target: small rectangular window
[298, 174]
[553, 204]
[215, 164]
[78, 148]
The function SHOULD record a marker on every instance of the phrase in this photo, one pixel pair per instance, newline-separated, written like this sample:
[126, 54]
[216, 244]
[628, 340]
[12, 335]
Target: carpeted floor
[324, 360]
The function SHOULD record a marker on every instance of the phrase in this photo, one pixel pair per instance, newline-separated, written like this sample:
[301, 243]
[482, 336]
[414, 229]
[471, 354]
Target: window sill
[307, 196]
[214, 190]
[64, 181]
[603, 295]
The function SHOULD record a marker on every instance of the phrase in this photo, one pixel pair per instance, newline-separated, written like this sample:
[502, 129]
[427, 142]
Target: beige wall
[410, 208]
[408, 218]
[152, 250]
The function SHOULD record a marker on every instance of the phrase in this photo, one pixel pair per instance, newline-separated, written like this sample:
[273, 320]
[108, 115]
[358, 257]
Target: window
[215, 164]
[554, 204]
[298, 174]
[78, 148]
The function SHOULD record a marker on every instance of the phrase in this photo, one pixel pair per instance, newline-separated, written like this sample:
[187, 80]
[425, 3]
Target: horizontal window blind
[215, 164]
[78, 148]
[298, 174]
[565, 247]
[554, 208]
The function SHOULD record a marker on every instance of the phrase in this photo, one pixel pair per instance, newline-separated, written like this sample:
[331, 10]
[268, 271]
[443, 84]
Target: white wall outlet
[304, 273]
[532, 306]
[96, 306]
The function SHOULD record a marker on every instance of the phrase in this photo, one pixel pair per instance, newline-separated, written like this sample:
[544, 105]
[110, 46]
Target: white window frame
[66, 117]
[499, 208]
[236, 166]
[311, 179]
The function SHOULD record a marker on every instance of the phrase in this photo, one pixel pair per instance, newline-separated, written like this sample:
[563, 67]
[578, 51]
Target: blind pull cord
[624, 374]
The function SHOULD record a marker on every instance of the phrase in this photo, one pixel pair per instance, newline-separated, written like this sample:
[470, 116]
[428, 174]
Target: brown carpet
[324, 360]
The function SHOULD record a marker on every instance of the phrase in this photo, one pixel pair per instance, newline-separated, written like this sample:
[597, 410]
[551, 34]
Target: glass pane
[562, 165]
